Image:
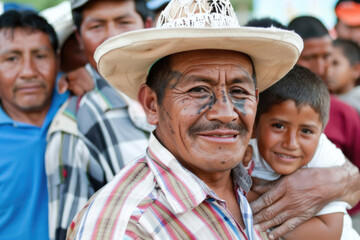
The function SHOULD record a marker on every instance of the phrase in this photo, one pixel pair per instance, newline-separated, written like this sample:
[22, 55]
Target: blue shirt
[23, 191]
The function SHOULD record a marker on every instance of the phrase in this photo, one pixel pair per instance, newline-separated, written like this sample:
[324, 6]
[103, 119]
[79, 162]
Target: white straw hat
[185, 25]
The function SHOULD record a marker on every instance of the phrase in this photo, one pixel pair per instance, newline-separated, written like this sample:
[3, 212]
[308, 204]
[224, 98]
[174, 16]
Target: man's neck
[31, 117]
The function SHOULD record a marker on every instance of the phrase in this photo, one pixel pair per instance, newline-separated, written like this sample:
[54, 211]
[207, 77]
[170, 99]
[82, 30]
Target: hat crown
[198, 14]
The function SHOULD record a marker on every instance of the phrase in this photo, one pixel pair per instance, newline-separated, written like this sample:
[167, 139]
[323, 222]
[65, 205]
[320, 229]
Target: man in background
[28, 103]
[94, 136]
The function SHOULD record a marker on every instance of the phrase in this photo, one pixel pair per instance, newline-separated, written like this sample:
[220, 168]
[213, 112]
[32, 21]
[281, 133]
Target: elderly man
[200, 69]
[202, 97]
[28, 103]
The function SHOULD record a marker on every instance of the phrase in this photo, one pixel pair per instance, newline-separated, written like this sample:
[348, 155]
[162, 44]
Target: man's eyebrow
[10, 51]
[245, 79]
[118, 18]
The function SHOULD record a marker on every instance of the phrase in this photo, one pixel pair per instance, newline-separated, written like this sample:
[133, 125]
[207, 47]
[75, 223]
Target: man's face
[208, 110]
[344, 31]
[105, 19]
[288, 136]
[28, 68]
[316, 55]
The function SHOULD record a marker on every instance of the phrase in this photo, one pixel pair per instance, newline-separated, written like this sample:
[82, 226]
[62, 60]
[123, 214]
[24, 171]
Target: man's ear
[148, 100]
[78, 38]
[356, 71]
[148, 22]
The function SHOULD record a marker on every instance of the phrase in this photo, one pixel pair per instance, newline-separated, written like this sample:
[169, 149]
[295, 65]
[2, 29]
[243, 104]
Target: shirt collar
[183, 189]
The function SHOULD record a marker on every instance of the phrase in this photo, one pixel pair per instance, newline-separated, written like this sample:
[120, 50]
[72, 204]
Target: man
[201, 93]
[94, 136]
[348, 20]
[28, 103]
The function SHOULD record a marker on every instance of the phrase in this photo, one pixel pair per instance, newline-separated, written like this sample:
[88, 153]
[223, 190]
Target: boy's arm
[327, 227]
[295, 198]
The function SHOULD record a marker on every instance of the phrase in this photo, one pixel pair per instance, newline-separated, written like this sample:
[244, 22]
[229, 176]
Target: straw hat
[185, 25]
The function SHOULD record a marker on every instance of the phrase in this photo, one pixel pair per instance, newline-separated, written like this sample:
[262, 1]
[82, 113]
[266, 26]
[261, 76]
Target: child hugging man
[289, 125]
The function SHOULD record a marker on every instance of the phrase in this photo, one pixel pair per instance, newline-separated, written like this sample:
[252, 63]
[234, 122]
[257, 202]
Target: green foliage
[37, 4]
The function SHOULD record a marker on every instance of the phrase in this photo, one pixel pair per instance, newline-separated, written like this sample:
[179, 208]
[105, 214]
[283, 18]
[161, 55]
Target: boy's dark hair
[308, 27]
[301, 86]
[265, 23]
[140, 7]
[28, 20]
[350, 49]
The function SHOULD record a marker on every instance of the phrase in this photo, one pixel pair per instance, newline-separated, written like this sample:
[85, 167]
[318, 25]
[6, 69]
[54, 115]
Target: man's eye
[278, 125]
[11, 59]
[237, 91]
[97, 26]
[198, 90]
[41, 56]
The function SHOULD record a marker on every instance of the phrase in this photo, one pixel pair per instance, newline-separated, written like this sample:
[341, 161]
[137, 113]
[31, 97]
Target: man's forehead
[190, 59]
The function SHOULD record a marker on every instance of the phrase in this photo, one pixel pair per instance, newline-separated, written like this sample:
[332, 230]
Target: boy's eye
[306, 131]
[278, 125]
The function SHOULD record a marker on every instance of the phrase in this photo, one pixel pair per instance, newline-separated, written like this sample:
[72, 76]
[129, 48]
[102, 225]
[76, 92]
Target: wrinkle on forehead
[192, 59]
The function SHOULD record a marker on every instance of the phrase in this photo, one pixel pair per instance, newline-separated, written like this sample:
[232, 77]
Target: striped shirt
[89, 141]
[155, 197]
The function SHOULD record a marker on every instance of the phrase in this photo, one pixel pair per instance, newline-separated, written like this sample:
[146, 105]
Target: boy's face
[288, 136]
[342, 76]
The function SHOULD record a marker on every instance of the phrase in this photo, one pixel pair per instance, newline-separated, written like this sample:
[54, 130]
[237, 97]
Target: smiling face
[28, 70]
[288, 136]
[207, 112]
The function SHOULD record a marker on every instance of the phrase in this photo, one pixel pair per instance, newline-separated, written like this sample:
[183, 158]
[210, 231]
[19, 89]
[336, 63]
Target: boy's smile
[288, 136]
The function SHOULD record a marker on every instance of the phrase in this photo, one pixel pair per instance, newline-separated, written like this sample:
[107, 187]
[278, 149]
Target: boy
[345, 70]
[290, 119]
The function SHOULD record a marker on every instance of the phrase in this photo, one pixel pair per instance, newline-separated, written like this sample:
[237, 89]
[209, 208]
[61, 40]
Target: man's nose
[28, 69]
[222, 110]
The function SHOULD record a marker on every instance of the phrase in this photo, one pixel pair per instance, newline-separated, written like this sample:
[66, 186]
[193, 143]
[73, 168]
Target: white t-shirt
[326, 155]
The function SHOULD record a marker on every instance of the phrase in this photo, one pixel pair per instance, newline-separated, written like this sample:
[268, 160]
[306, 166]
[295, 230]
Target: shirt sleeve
[326, 155]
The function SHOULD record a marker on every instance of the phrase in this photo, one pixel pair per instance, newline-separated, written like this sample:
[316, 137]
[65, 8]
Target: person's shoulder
[326, 154]
[341, 109]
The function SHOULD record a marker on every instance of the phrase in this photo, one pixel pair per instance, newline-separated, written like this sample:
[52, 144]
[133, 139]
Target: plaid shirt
[156, 198]
[90, 140]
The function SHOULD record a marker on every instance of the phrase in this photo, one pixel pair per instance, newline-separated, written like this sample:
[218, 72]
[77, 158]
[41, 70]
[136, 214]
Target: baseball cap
[77, 3]
[348, 12]
[60, 18]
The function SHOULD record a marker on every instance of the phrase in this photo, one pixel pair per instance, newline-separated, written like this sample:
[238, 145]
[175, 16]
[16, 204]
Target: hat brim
[125, 60]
